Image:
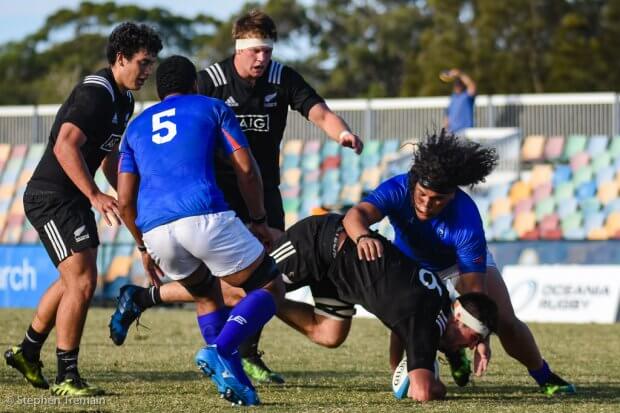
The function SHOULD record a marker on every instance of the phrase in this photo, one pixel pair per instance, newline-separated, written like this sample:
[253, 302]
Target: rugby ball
[400, 378]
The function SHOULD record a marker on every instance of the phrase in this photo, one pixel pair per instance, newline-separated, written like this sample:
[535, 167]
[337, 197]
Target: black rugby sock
[147, 297]
[67, 363]
[32, 343]
[249, 347]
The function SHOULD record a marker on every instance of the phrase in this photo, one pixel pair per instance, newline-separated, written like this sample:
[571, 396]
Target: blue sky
[20, 18]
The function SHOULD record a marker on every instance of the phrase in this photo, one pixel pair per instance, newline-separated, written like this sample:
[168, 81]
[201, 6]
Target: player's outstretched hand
[369, 248]
[352, 141]
[264, 234]
[107, 207]
[482, 357]
[152, 269]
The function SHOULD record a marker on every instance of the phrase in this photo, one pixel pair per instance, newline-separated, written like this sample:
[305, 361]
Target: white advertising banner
[564, 293]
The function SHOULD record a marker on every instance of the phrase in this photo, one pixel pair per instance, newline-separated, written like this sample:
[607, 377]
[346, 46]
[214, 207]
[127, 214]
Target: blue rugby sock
[211, 324]
[245, 318]
[542, 374]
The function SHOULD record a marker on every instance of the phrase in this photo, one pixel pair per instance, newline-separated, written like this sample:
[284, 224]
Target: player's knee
[84, 286]
[327, 339]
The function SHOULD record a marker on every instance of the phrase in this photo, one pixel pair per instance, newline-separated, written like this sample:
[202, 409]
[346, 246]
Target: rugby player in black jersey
[260, 91]
[59, 196]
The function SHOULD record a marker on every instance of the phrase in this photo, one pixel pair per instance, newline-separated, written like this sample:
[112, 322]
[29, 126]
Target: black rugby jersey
[261, 110]
[410, 300]
[101, 111]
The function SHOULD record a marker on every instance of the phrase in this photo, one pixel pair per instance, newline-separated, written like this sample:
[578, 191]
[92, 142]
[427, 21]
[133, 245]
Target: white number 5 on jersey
[159, 124]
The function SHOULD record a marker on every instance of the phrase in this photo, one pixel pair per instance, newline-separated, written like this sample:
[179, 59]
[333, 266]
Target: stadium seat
[541, 174]
[579, 160]
[567, 207]
[292, 147]
[574, 144]
[501, 226]
[544, 207]
[607, 192]
[290, 218]
[541, 192]
[351, 194]
[614, 147]
[520, 190]
[524, 205]
[533, 148]
[390, 148]
[330, 162]
[13, 230]
[290, 205]
[291, 177]
[612, 206]
[600, 161]
[5, 150]
[499, 191]
[563, 191]
[549, 222]
[312, 147]
[554, 147]
[561, 174]
[370, 178]
[582, 175]
[532, 235]
[524, 222]
[612, 224]
[585, 190]
[572, 226]
[597, 144]
[500, 207]
[589, 205]
[597, 234]
[311, 162]
[551, 235]
[605, 174]
[330, 148]
[595, 220]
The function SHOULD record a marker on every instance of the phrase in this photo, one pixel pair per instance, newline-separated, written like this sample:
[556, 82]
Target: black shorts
[65, 224]
[304, 255]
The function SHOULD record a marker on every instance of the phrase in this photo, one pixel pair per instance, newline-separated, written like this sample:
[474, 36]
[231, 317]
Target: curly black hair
[175, 74]
[447, 161]
[128, 38]
[482, 307]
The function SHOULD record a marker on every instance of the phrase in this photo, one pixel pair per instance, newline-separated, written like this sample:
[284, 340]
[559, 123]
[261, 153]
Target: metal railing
[399, 118]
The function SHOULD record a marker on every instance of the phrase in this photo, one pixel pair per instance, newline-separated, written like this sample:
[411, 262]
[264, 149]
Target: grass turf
[154, 371]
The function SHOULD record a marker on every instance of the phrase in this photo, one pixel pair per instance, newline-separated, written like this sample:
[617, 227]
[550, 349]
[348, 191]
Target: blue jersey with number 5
[171, 146]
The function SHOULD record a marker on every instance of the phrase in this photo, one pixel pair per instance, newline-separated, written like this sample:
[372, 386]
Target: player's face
[135, 71]
[428, 203]
[458, 336]
[252, 62]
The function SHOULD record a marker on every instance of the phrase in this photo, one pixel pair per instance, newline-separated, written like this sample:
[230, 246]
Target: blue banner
[25, 273]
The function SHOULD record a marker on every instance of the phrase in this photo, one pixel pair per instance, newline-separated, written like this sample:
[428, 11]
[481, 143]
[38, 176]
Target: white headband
[241, 44]
[469, 320]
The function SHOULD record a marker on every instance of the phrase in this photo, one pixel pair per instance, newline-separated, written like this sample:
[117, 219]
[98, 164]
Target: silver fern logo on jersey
[270, 100]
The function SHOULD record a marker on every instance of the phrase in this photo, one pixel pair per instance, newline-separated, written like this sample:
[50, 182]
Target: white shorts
[219, 240]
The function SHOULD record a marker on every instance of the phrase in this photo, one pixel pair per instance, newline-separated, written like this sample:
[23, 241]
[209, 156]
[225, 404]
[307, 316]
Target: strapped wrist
[260, 220]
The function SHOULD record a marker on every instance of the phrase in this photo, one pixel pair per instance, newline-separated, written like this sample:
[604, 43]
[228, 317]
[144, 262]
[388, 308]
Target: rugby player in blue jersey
[170, 202]
[439, 226]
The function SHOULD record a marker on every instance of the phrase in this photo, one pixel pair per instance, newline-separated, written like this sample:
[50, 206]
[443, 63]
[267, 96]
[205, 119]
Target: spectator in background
[460, 111]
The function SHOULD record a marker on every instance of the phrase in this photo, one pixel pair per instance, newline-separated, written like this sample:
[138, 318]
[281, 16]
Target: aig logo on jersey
[112, 141]
[270, 100]
[258, 123]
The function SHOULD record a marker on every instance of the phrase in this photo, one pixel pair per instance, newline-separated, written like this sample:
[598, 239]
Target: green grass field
[154, 371]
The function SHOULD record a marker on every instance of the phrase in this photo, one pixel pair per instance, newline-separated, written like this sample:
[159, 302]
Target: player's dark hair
[255, 23]
[175, 74]
[482, 307]
[444, 161]
[128, 38]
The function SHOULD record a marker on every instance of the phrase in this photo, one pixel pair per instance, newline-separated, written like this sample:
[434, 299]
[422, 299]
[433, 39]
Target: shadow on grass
[518, 394]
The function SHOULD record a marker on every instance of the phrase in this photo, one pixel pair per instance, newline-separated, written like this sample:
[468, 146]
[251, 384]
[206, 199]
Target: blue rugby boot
[227, 374]
[127, 311]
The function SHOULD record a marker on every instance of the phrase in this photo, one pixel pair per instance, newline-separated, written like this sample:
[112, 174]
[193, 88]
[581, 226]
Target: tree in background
[359, 48]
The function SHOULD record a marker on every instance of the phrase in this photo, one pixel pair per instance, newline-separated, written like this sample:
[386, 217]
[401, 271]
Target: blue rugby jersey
[172, 147]
[455, 236]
